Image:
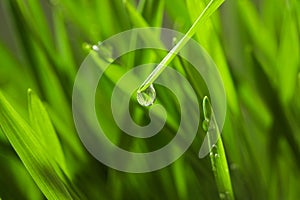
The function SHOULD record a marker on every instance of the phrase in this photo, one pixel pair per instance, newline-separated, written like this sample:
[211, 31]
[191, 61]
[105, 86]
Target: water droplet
[213, 151]
[95, 48]
[174, 41]
[86, 47]
[146, 97]
[105, 51]
[225, 195]
[214, 168]
[212, 127]
[205, 124]
[222, 196]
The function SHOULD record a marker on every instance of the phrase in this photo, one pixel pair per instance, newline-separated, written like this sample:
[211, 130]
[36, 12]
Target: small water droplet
[146, 97]
[105, 51]
[211, 127]
[214, 168]
[205, 124]
[225, 195]
[217, 155]
[95, 48]
[86, 46]
[174, 41]
[222, 196]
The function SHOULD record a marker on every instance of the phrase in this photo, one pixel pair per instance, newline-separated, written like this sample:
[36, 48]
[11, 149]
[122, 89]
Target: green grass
[212, 6]
[217, 154]
[255, 45]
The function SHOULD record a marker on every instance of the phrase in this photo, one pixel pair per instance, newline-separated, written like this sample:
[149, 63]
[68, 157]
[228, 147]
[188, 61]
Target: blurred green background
[255, 45]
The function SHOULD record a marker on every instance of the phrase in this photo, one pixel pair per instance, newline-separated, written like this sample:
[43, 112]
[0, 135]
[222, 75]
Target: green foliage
[203, 16]
[30, 146]
[217, 154]
[255, 45]
[44, 129]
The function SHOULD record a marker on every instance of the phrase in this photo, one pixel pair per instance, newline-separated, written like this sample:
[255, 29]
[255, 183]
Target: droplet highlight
[222, 196]
[147, 96]
[95, 48]
[105, 51]
[217, 155]
[205, 124]
[225, 195]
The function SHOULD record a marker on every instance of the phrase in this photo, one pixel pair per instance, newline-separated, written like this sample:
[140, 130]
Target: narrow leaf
[288, 58]
[209, 38]
[32, 152]
[42, 125]
[217, 152]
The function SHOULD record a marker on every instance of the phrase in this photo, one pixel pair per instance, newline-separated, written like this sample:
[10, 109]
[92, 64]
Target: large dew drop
[146, 97]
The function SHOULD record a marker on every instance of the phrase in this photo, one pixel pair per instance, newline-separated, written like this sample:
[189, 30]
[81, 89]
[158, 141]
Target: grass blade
[266, 54]
[217, 154]
[63, 45]
[41, 123]
[181, 20]
[288, 58]
[33, 154]
[205, 14]
[209, 38]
